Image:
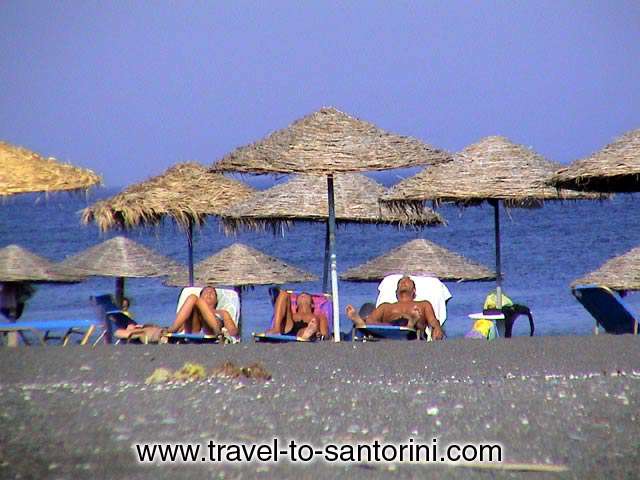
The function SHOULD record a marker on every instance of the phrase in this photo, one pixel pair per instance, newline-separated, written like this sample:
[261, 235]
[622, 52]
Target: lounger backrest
[606, 307]
[427, 289]
[227, 299]
[321, 303]
[110, 314]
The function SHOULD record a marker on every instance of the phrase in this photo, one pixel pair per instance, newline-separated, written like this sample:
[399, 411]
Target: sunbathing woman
[200, 314]
[196, 314]
[301, 321]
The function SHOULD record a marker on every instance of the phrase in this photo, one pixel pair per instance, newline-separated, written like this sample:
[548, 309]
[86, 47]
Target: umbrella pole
[327, 255]
[190, 248]
[332, 251]
[119, 291]
[496, 221]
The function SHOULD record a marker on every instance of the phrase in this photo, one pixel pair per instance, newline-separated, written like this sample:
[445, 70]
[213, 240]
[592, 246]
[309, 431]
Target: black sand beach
[573, 401]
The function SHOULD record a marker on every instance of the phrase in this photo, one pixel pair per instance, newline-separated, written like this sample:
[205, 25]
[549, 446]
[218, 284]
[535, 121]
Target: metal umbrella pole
[496, 222]
[332, 251]
[190, 247]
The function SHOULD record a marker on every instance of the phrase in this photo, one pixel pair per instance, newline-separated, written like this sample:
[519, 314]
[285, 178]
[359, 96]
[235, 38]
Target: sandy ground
[75, 412]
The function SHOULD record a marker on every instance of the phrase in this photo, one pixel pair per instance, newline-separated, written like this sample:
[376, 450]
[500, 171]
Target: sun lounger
[321, 303]
[607, 308]
[111, 317]
[427, 289]
[43, 330]
[227, 299]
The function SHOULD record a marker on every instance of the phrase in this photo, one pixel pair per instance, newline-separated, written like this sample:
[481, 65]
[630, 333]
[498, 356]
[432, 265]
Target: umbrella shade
[186, 192]
[420, 257]
[615, 168]
[242, 266]
[120, 257]
[24, 171]
[492, 169]
[20, 265]
[619, 273]
[304, 198]
[329, 141]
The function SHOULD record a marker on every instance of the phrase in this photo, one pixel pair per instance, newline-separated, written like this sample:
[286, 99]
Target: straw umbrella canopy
[615, 168]
[618, 273]
[18, 264]
[420, 257]
[493, 170]
[304, 198]
[324, 143]
[122, 258]
[186, 193]
[24, 171]
[242, 266]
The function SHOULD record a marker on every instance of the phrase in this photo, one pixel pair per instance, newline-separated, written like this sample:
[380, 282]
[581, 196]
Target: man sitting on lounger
[301, 321]
[416, 315]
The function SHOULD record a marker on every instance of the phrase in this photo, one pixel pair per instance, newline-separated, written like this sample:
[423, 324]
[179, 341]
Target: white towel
[427, 289]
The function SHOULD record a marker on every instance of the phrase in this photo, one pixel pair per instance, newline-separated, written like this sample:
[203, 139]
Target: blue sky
[130, 88]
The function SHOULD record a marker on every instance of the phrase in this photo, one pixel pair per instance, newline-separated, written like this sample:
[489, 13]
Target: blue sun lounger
[321, 302]
[111, 317]
[42, 330]
[384, 332]
[607, 308]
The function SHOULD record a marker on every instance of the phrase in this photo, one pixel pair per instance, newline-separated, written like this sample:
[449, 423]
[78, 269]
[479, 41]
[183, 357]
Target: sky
[130, 88]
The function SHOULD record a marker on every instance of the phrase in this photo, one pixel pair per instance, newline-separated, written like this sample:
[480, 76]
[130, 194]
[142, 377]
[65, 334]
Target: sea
[543, 251]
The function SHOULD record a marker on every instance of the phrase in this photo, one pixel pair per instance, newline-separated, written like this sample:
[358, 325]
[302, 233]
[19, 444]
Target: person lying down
[196, 315]
[302, 320]
[406, 311]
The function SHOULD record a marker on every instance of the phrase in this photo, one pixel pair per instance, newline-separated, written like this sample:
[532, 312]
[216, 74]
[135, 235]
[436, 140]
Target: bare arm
[432, 321]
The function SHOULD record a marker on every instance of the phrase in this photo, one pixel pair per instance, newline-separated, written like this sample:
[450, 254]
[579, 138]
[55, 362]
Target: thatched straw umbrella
[493, 170]
[19, 267]
[18, 264]
[24, 171]
[618, 273]
[186, 192]
[304, 198]
[615, 168]
[241, 266]
[122, 258]
[420, 257]
[325, 143]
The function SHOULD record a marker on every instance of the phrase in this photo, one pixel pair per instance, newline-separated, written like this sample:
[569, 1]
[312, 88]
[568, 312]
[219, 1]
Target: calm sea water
[543, 251]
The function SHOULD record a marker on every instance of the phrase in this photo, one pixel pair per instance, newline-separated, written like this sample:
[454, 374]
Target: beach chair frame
[42, 330]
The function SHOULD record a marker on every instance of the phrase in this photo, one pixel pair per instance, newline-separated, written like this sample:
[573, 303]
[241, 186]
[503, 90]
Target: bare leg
[282, 317]
[210, 323]
[323, 326]
[309, 331]
[416, 319]
[183, 318]
[355, 318]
